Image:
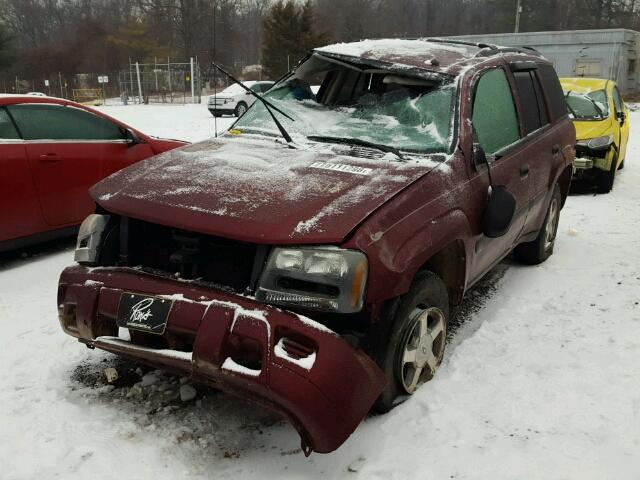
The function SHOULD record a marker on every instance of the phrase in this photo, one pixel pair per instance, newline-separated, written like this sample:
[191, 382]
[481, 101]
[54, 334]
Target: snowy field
[183, 122]
[541, 379]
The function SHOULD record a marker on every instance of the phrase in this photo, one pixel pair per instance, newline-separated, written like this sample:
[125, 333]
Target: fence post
[139, 84]
[169, 78]
[60, 80]
[193, 91]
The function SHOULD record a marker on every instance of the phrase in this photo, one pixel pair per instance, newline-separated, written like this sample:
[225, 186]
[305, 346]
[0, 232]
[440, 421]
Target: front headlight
[90, 238]
[320, 278]
[597, 143]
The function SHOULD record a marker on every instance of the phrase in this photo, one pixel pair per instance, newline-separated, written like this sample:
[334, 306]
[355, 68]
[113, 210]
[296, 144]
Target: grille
[189, 255]
[218, 101]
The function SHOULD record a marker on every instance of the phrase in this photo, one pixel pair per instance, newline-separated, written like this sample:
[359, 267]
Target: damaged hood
[592, 129]
[259, 190]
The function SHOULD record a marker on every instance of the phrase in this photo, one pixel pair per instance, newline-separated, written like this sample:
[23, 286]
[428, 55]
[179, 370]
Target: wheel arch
[449, 263]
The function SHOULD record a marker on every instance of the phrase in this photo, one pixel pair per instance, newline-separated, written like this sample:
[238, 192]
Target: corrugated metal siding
[612, 49]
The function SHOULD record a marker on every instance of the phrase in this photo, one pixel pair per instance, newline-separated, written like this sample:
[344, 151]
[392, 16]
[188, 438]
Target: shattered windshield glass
[381, 108]
[588, 106]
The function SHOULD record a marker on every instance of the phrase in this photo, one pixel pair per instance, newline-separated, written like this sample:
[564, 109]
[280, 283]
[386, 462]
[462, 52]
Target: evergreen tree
[134, 40]
[288, 35]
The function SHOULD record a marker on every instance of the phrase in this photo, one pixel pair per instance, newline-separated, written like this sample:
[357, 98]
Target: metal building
[613, 53]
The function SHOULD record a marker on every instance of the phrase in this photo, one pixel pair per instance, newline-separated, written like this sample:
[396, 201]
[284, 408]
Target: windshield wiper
[357, 141]
[267, 104]
[600, 112]
[593, 102]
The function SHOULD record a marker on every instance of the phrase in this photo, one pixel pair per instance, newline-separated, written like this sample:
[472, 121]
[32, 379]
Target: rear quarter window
[555, 97]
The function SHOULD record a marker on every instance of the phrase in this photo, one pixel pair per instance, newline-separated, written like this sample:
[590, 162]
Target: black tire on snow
[241, 108]
[427, 291]
[539, 250]
[605, 180]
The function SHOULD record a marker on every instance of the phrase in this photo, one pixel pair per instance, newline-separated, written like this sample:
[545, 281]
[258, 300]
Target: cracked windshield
[349, 104]
[588, 106]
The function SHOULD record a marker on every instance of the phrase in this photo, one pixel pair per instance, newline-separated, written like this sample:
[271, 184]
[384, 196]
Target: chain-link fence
[170, 82]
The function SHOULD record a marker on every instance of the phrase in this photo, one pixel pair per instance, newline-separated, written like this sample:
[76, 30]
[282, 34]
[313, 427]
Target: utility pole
[518, 12]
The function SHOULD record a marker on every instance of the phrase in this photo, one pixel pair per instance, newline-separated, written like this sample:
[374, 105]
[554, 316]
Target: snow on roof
[414, 53]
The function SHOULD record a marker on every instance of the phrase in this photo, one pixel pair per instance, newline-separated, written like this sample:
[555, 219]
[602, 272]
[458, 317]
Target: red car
[52, 150]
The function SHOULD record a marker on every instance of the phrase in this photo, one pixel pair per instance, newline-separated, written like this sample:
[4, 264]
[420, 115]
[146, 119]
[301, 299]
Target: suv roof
[441, 55]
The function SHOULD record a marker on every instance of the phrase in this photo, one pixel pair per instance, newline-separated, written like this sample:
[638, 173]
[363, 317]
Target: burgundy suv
[311, 258]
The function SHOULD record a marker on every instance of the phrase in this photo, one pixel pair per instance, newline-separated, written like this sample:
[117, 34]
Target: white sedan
[235, 100]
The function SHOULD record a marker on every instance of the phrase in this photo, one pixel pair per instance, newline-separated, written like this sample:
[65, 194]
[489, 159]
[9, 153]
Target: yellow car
[602, 128]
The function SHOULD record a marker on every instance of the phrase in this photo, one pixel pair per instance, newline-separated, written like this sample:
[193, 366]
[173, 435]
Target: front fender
[398, 254]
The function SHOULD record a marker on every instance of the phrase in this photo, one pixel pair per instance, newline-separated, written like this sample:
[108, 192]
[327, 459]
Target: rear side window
[555, 97]
[542, 104]
[53, 122]
[494, 113]
[528, 102]
[534, 114]
[7, 129]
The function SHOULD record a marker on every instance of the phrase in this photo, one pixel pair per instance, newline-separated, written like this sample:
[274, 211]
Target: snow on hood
[258, 190]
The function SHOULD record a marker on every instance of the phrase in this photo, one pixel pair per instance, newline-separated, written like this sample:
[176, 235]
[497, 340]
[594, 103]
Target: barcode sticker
[341, 167]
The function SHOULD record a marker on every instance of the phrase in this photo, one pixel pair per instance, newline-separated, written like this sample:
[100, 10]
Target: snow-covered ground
[541, 379]
[183, 122]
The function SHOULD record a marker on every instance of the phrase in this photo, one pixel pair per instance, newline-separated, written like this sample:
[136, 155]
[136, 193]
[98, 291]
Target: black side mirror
[131, 138]
[501, 204]
[499, 212]
[621, 117]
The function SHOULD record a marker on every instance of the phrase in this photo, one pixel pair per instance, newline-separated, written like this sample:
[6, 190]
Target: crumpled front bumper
[587, 159]
[284, 361]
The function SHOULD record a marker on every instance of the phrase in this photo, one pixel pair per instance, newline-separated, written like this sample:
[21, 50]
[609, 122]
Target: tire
[241, 108]
[541, 248]
[419, 326]
[605, 179]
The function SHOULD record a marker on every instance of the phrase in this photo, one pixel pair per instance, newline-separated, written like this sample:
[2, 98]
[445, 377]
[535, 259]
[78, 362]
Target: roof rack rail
[486, 52]
[460, 42]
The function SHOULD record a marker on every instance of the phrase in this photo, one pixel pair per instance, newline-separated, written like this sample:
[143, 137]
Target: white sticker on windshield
[341, 167]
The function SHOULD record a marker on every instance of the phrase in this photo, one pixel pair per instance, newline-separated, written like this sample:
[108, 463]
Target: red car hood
[259, 191]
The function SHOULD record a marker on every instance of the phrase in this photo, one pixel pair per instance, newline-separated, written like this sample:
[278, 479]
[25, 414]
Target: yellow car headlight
[597, 143]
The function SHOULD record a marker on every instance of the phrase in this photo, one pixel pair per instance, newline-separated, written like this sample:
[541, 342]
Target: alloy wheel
[552, 223]
[423, 348]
